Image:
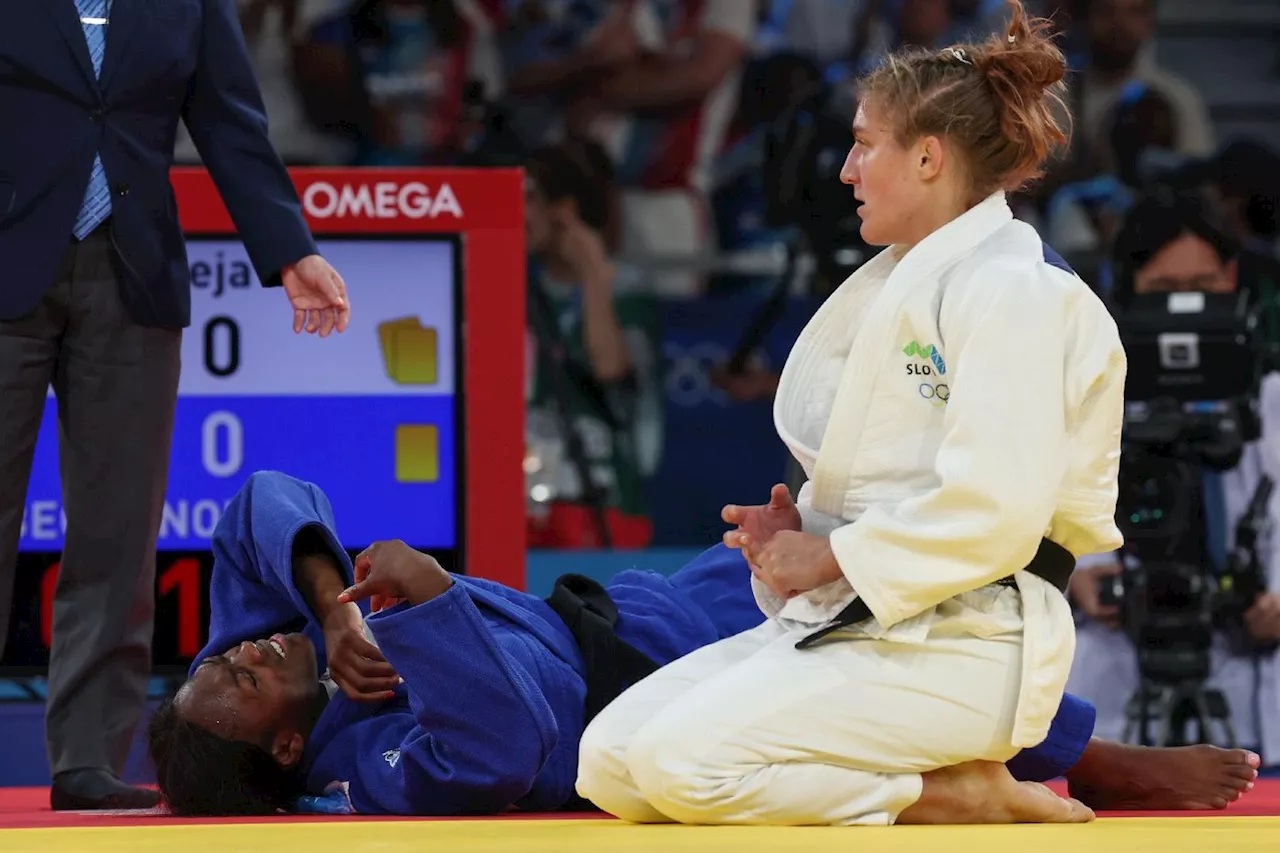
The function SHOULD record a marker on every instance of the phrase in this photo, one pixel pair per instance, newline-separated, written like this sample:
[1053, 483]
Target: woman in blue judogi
[460, 696]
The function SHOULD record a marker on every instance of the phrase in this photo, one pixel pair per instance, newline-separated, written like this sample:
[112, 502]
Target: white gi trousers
[751, 730]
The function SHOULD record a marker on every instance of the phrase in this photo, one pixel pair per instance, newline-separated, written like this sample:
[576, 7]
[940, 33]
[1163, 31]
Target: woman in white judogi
[956, 400]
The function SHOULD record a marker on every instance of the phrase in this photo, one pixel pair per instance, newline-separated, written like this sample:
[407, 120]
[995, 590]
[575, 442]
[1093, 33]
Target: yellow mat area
[1128, 835]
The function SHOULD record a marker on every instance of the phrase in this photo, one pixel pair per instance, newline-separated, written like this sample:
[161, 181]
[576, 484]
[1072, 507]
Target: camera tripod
[1171, 707]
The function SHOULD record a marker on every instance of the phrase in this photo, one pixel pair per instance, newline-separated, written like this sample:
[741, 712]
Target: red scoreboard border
[486, 207]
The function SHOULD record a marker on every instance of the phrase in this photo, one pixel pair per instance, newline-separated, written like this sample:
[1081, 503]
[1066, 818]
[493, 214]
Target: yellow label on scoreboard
[409, 351]
[417, 453]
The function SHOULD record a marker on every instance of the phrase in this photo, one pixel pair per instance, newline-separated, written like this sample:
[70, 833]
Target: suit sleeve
[482, 728]
[1000, 464]
[228, 124]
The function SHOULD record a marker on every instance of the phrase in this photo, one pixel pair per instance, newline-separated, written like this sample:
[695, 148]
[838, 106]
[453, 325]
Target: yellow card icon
[417, 453]
[409, 351]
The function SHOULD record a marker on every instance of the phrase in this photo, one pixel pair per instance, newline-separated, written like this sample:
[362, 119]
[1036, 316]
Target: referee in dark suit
[94, 295]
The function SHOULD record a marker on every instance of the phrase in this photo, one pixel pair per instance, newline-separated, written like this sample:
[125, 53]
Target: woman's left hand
[792, 562]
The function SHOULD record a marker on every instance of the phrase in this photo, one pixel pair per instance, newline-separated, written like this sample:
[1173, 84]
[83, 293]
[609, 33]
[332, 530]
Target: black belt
[1052, 562]
[612, 665]
[591, 616]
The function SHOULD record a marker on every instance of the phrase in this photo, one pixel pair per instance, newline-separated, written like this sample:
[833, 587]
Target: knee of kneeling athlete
[679, 779]
[602, 759]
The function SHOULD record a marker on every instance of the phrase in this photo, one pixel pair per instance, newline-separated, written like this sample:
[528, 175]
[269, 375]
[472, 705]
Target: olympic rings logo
[688, 373]
[938, 395]
[688, 369]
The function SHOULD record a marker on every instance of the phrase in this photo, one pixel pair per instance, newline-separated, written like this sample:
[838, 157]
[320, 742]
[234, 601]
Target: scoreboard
[410, 421]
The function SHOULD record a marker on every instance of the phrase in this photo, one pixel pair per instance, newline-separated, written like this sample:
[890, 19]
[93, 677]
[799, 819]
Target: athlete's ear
[931, 157]
[286, 749]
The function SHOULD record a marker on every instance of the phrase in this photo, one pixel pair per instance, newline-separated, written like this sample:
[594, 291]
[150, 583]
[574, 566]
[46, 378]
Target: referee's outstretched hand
[318, 295]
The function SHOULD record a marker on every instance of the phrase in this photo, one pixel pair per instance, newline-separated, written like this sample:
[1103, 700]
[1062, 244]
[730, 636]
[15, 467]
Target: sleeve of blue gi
[1069, 734]
[482, 728]
[251, 593]
[228, 123]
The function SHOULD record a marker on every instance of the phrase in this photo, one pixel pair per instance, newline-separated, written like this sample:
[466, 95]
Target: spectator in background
[1171, 244]
[887, 25]
[656, 84]
[922, 23]
[835, 34]
[1120, 51]
[771, 88]
[1068, 20]
[1082, 217]
[1242, 183]
[594, 417]
[934, 24]
[1245, 177]
[847, 37]
[1112, 51]
[540, 37]
[276, 31]
[975, 19]
[418, 66]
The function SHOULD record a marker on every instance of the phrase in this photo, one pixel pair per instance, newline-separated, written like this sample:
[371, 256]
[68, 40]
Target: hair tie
[1012, 39]
[959, 54]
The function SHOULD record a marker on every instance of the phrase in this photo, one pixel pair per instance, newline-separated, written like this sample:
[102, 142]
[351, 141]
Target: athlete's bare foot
[985, 792]
[1118, 777]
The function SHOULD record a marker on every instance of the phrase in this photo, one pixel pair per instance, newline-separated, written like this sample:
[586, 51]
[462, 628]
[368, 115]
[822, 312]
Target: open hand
[762, 521]
[355, 664]
[318, 295]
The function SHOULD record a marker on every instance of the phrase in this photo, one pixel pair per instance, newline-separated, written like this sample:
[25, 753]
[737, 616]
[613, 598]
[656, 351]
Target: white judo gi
[951, 408]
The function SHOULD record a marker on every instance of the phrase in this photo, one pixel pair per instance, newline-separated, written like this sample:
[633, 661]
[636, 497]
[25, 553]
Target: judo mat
[27, 826]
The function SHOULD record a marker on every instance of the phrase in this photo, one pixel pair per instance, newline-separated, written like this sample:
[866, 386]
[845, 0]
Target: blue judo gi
[491, 709]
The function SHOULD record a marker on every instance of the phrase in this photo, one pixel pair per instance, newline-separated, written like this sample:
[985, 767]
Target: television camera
[1191, 396]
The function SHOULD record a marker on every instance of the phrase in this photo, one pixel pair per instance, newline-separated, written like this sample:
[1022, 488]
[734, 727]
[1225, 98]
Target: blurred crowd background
[683, 199]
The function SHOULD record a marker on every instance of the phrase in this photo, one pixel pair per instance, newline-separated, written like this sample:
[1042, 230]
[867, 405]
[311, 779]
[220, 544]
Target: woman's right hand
[759, 523]
[390, 571]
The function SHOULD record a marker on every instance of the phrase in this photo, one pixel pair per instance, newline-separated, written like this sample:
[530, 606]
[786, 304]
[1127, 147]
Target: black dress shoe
[97, 790]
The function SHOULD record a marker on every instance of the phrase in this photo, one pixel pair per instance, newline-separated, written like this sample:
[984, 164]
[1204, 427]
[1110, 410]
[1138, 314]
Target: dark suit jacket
[165, 60]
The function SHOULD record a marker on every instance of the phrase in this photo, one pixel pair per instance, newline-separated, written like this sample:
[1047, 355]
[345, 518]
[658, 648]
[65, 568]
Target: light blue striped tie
[97, 197]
